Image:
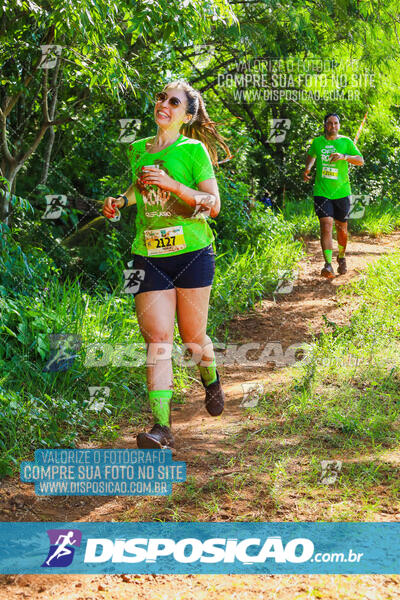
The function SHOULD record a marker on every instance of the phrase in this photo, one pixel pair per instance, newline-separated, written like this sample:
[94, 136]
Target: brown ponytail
[201, 127]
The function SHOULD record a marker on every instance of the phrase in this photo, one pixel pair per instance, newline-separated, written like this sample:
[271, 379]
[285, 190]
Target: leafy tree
[91, 44]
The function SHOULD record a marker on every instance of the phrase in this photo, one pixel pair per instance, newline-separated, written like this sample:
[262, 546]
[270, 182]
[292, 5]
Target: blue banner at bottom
[165, 548]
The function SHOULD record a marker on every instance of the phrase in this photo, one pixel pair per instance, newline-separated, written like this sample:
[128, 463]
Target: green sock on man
[328, 256]
[342, 250]
[160, 404]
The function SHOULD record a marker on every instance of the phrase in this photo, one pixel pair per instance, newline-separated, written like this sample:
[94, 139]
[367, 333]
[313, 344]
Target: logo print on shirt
[151, 194]
[326, 152]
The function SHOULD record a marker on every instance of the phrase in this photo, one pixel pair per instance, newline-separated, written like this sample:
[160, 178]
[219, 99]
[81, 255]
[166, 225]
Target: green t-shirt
[332, 179]
[165, 224]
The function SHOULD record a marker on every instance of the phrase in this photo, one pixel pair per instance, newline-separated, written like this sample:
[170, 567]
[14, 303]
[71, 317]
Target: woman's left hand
[154, 176]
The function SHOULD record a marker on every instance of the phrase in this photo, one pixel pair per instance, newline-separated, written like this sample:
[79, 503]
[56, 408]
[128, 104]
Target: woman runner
[175, 189]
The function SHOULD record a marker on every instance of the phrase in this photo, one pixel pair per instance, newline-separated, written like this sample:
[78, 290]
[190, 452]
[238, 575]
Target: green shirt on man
[332, 179]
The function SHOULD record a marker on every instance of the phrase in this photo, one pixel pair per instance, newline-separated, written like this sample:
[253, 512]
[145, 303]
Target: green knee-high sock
[209, 374]
[160, 406]
[342, 250]
[328, 256]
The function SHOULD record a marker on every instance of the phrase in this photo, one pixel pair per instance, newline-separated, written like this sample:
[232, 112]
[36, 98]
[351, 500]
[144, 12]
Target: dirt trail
[200, 440]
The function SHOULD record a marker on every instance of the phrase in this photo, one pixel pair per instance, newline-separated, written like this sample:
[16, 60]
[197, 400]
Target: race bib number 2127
[164, 241]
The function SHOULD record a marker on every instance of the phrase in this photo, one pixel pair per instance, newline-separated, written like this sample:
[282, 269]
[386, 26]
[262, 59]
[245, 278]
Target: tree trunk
[52, 134]
[10, 173]
[10, 164]
[47, 155]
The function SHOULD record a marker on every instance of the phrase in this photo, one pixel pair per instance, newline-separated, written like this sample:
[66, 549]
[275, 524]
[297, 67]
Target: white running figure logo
[62, 549]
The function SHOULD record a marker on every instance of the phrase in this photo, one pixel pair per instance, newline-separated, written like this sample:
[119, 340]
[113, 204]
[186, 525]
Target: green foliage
[382, 216]
[300, 213]
[22, 272]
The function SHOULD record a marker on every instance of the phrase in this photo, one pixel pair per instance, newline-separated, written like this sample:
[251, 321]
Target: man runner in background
[333, 153]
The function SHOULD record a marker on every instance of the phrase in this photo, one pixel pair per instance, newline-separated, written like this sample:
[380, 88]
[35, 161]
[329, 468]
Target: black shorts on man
[338, 209]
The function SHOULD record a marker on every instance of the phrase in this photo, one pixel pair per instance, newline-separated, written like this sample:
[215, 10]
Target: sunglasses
[162, 96]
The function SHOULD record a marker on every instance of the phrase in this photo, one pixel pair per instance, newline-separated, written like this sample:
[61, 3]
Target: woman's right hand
[110, 204]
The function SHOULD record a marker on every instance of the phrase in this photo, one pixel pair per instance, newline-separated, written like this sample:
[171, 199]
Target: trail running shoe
[342, 268]
[159, 437]
[215, 397]
[328, 271]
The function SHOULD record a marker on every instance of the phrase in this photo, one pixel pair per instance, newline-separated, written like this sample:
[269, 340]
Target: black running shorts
[338, 209]
[189, 270]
